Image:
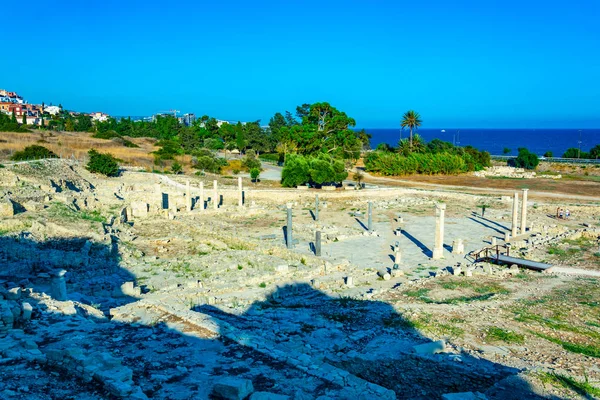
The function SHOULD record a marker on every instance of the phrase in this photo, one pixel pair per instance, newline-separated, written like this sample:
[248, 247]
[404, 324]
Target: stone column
[524, 213]
[515, 215]
[458, 246]
[59, 286]
[215, 195]
[438, 248]
[318, 244]
[316, 207]
[370, 217]
[288, 231]
[241, 192]
[188, 196]
[201, 196]
[160, 196]
[397, 257]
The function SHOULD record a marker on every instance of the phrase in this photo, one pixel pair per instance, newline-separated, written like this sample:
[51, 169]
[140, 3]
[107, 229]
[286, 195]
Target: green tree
[548, 154]
[69, 126]
[321, 171]
[43, 110]
[190, 139]
[240, 137]
[405, 147]
[13, 118]
[254, 173]
[24, 118]
[104, 164]
[277, 122]
[506, 151]
[250, 161]
[295, 171]
[574, 152]
[411, 120]
[365, 139]
[526, 160]
[83, 123]
[34, 152]
[595, 152]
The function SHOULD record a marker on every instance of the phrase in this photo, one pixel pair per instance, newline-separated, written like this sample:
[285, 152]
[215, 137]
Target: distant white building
[52, 110]
[99, 116]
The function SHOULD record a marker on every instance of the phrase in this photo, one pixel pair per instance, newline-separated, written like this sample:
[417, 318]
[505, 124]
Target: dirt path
[575, 271]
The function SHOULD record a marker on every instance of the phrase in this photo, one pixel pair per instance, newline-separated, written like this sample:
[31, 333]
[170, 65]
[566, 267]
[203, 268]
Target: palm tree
[411, 120]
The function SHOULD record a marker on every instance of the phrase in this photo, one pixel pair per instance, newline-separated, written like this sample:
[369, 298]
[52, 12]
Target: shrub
[295, 171]
[102, 163]
[387, 163]
[206, 161]
[110, 134]
[250, 161]
[574, 152]
[214, 144]
[169, 149]
[320, 170]
[176, 168]
[34, 152]
[525, 159]
[254, 173]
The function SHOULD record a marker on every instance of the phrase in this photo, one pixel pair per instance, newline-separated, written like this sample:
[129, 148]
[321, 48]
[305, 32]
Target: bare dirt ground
[540, 188]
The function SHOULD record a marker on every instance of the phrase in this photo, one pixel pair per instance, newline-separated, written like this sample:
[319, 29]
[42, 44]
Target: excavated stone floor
[167, 303]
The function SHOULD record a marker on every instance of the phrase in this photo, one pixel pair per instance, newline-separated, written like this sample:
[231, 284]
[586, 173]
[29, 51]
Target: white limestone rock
[232, 388]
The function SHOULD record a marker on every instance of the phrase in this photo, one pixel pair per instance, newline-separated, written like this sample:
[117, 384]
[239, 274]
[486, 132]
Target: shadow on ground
[156, 354]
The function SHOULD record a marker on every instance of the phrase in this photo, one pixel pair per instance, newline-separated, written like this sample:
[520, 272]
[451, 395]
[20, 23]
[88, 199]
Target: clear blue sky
[461, 63]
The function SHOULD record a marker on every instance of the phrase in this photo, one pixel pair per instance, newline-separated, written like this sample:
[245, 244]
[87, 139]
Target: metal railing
[555, 160]
[487, 252]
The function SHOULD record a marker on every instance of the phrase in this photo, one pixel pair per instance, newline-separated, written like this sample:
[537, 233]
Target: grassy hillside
[77, 144]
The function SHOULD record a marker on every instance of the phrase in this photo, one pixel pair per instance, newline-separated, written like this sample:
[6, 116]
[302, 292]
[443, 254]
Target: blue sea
[538, 141]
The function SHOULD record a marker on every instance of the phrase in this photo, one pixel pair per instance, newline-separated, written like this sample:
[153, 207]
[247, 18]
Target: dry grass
[77, 144]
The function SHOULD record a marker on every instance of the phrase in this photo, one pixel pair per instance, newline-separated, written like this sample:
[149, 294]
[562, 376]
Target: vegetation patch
[104, 164]
[469, 291]
[563, 316]
[499, 334]
[582, 388]
[34, 152]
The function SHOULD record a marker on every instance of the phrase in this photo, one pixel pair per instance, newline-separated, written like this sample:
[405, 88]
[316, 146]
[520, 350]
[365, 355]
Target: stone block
[27, 311]
[7, 208]
[13, 293]
[282, 269]
[384, 274]
[268, 396]
[464, 396]
[458, 247]
[232, 388]
[430, 348]
[139, 209]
